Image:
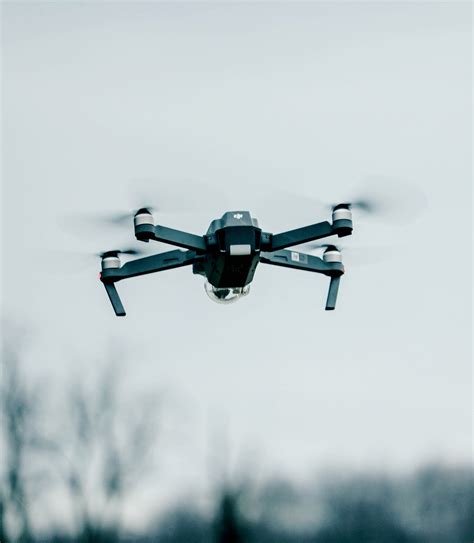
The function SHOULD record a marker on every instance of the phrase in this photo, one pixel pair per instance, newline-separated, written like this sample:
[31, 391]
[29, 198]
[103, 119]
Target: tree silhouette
[229, 527]
[19, 410]
[108, 452]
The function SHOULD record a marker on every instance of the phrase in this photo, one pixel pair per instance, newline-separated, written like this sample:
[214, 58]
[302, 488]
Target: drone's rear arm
[302, 261]
[143, 266]
[301, 235]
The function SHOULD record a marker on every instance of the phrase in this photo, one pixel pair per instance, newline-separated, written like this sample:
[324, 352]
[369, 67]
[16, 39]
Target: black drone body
[228, 254]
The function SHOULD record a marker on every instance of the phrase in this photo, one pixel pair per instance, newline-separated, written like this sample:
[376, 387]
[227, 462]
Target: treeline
[433, 505]
[105, 450]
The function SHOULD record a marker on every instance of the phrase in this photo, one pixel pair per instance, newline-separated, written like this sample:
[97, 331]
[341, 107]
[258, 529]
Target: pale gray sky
[311, 98]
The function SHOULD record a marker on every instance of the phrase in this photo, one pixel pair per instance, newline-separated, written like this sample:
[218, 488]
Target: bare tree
[108, 450]
[19, 411]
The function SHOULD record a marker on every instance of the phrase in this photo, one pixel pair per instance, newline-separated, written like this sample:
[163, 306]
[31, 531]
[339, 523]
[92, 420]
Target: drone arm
[302, 261]
[145, 232]
[150, 264]
[142, 266]
[301, 235]
[179, 238]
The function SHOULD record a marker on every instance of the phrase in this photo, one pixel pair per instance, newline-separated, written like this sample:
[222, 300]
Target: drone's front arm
[302, 261]
[142, 266]
[144, 231]
[341, 226]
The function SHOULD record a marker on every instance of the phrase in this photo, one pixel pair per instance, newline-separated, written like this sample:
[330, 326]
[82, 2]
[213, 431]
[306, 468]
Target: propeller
[60, 261]
[116, 252]
[367, 205]
[379, 198]
[328, 247]
[98, 220]
[123, 218]
[160, 198]
[389, 199]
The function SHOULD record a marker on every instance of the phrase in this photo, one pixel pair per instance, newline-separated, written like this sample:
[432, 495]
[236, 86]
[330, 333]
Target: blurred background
[269, 420]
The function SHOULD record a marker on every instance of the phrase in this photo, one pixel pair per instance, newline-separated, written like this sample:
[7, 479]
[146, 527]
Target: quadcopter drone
[228, 254]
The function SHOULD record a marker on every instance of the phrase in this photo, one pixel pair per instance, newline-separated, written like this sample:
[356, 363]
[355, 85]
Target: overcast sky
[229, 104]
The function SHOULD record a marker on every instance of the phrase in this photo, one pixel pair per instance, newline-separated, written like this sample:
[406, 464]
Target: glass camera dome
[225, 295]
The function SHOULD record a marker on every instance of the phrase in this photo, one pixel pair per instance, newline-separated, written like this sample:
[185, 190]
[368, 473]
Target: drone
[229, 253]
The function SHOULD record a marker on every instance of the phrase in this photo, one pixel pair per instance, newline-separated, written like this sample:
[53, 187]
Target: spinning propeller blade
[124, 218]
[65, 261]
[116, 252]
[387, 199]
[160, 198]
[376, 197]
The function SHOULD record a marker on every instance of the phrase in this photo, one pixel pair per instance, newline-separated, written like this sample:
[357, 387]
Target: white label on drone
[238, 216]
[295, 256]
